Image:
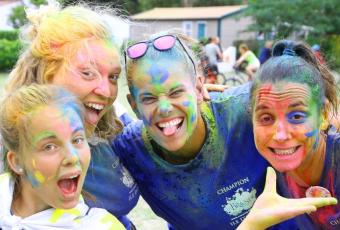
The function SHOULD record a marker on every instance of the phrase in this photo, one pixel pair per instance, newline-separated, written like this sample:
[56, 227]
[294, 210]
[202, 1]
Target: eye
[266, 119]
[147, 100]
[297, 117]
[114, 78]
[79, 140]
[176, 93]
[88, 74]
[50, 147]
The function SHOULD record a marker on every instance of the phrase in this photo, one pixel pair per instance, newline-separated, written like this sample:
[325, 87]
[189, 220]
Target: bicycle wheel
[220, 79]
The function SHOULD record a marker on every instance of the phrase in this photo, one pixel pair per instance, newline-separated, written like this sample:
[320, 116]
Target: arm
[241, 59]
[270, 208]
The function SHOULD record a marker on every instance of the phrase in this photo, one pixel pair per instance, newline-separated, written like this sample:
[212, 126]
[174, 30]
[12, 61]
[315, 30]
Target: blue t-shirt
[110, 182]
[326, 217]
[217, 188]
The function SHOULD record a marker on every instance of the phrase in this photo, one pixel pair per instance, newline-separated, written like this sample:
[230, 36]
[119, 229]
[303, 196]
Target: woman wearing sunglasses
[73, 47]
[195, 162]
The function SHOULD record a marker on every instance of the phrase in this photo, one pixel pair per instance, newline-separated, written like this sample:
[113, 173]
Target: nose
[282, 132]
[71, 156]
[105, 88]
[165, 107]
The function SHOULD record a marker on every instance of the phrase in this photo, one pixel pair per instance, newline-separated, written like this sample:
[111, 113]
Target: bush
[9, 53]
[9, 34]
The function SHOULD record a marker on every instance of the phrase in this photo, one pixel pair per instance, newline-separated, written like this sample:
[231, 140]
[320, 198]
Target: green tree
[286, 16]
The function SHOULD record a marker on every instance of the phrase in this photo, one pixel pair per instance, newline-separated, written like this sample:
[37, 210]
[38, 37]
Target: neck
[191, 148]
[310, 171]
[25, 203]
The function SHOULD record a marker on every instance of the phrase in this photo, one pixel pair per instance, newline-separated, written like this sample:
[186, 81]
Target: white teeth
[170, 123]
[95, 106]
[285, 151]
[71, 177]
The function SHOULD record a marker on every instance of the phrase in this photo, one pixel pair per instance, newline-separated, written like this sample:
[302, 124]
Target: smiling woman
[75, 48]
[293, 98]
[47, 159]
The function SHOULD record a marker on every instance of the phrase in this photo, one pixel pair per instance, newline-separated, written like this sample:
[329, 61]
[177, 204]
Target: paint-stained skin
[92, 76]
[58, 148]
[164, 92]
[286, 124]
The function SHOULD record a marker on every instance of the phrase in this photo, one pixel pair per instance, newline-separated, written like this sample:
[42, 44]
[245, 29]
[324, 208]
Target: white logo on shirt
[240, 201]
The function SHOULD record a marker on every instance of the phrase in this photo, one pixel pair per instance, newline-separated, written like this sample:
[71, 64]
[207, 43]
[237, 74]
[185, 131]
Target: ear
[14, 162]
[200, 90]
[325, 115]
[133, 104]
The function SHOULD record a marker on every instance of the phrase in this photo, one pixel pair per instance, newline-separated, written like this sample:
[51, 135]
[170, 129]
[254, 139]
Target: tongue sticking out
[91, 116]
[168, 131]
[67, 186]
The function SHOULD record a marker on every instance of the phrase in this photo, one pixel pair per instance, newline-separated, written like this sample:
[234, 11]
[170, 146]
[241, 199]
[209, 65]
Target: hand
[206, 88]
[270, 208]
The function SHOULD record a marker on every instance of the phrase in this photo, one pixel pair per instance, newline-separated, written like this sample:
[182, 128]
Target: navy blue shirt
[216, 189]
[110, 182]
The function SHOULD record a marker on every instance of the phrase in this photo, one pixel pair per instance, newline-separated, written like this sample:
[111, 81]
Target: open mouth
[69, 185]
[169, 128]
[284, 152]
[93, 111]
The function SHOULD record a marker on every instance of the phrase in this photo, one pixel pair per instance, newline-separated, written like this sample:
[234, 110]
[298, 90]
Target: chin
[284, 167]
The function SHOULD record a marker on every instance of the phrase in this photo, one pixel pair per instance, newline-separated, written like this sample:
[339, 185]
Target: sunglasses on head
[161, 43]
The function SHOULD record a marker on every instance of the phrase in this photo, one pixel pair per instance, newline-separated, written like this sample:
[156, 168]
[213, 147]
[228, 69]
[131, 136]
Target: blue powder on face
[159, 75]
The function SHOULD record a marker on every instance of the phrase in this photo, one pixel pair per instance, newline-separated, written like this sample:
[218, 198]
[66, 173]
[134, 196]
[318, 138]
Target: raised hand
[270, 208]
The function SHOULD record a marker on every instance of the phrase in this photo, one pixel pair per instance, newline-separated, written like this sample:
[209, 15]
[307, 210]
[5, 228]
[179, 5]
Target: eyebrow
[261, 107]
[297, 104]
[43, 135]
[49, 134]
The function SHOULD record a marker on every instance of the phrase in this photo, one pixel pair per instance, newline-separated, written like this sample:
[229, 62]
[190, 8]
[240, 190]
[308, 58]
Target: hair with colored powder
[16, 110]
[52, 37]
[176, 53]
[295, 62]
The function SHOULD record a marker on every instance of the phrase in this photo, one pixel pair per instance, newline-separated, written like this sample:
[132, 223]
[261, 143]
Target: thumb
[270, 185]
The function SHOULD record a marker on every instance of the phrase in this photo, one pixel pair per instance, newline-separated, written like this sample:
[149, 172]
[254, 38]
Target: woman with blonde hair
[47, 158]
[74, 47]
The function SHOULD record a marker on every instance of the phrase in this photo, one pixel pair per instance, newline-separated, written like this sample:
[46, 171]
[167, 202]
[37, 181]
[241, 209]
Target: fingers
[316, 201]
[270, 185]
[286, 213]
[214, 87]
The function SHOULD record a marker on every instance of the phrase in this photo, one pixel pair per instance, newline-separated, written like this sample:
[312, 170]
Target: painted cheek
[37, 174]
[31, 178]
[311, 134]
[192, 112]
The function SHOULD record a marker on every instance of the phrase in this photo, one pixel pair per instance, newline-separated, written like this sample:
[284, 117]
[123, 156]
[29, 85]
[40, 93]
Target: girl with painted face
[75, 48]
[47, 158]
[293, 97]
[195, 162]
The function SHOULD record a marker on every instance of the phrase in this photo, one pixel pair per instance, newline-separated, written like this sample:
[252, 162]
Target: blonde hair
[52, 37]
[16, 109]
[244, 46]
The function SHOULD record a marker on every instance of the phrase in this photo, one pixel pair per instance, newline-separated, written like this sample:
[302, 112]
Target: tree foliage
[286, 16]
